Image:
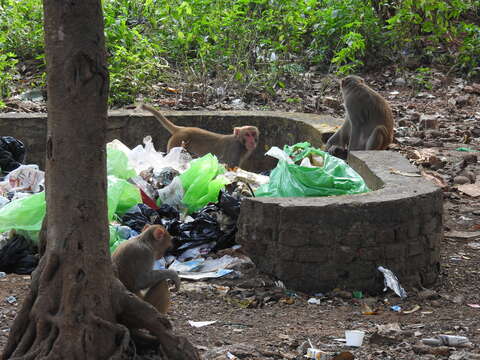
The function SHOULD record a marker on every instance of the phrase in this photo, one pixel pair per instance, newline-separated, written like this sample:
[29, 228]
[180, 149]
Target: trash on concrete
[205, 275]
[199, 324]
[354, 337]
[392, 282]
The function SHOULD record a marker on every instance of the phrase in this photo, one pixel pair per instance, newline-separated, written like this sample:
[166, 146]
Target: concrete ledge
[317, 244]
[276, 128]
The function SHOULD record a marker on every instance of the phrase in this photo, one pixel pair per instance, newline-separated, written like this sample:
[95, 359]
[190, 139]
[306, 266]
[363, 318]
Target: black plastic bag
[18, 256]
[12, 153]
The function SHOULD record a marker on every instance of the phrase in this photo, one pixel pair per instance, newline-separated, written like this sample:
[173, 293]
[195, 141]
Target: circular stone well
[311, 244]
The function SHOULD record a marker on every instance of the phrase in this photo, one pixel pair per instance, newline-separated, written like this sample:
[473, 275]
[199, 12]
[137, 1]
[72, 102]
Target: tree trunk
[76, 308]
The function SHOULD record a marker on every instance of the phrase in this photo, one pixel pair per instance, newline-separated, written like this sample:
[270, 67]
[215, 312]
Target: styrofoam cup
[354, 337]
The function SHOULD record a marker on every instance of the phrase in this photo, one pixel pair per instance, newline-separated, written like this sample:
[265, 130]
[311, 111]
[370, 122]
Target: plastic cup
[354, 337]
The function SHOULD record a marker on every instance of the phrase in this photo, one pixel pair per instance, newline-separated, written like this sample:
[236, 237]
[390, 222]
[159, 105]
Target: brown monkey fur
[368, 121]
[231, 149]
[133, 262]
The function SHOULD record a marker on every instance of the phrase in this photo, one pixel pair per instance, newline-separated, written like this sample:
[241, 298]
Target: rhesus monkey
[133, 262]
[231, 149]
[368, 121]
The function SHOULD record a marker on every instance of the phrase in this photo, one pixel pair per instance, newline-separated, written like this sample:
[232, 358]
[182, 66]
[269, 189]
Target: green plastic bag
[202, 183]
[121, 196]
[117, 164]
[291, 180]
[25, 214]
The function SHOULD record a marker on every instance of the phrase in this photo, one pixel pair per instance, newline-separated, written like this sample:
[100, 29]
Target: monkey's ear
[236, 131]
[145, 228]
[159, 233]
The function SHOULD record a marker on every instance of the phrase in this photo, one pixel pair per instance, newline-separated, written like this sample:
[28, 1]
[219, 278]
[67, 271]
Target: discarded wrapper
[447, 340]
[316, 354]
[392, 282]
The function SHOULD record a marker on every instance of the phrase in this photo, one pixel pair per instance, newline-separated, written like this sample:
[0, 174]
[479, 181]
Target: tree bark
[76, 308]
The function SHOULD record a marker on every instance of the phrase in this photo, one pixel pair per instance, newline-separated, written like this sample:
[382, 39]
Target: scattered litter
[25, 178]
[396, 308]
[230, 356]
[314, 301]
[357, 294]
[474, 245]
[392, 282]
[2, 274]
[316, 354]
[12, 153]
[354, 337]
[412, 310]
[398, 172]
[199, 324]
[474, 306]
[204, 275]
[465, 149]
[462, 234]
[11, 299]
[366, 310]
[448, 340]
[472, 190]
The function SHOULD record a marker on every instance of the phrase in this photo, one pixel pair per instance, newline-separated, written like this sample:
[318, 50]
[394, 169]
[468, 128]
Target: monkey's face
[352, 80]
[161, 240]
[248, 136]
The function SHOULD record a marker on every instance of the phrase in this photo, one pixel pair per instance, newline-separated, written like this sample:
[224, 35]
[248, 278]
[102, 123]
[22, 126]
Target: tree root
[53, 324]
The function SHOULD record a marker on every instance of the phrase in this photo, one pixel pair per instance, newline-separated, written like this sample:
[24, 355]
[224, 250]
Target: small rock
[470, 175]
[434, 133]
[341, 294]
[470, 158]
[433, 144]
[475, 132]
[461, 180]
[462, 100]
[428, 294]
[415, 117]
[332, 102]
[400, 81]
[414, 141]
[11, 299]
[429, 122]
[403, 122]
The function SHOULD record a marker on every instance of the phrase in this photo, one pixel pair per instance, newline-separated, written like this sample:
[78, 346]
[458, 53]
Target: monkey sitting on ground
[133, 262]
[368, 121]
[231, 149]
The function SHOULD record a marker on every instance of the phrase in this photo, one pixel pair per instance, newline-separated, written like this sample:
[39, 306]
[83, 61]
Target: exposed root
[44, 327]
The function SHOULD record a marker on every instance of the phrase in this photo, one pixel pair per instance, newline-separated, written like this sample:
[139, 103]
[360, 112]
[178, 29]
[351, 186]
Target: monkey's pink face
[248, 136]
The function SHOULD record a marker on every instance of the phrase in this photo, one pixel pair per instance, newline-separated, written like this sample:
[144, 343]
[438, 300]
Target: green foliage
[251, 44]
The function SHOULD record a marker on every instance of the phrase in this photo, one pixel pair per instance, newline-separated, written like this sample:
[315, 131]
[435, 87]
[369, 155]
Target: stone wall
[317, 244]
[131, 127]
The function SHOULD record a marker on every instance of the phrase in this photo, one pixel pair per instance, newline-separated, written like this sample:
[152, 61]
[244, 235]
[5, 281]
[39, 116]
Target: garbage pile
[197, 200]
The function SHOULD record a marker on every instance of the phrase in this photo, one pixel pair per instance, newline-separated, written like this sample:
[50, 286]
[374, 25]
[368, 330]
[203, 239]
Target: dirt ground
[257, 320]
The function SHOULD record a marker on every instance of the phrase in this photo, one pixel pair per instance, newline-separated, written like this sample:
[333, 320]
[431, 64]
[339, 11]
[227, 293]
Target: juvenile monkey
[368, 121]
[231, 149]
[133, 262]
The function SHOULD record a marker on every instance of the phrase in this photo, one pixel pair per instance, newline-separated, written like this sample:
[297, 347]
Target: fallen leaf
[412, 310]
[398, 172]
[472, 190]
[434, 177]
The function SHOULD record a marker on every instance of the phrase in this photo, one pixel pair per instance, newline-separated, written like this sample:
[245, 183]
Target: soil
[256, 319]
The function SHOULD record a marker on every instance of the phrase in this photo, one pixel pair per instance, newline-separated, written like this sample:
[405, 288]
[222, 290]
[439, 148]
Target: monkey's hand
[176, 279]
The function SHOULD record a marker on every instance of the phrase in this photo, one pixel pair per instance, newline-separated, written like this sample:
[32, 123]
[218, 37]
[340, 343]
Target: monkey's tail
[167, 124]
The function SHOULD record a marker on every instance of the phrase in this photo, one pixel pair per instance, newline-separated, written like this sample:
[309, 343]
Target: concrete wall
[131, 127]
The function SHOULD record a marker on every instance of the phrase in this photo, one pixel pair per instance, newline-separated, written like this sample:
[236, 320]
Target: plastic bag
[117, 164]
[335, 177]
[121, 196]
[24, 214]
[12, 153]
[17, 256]
[24, 178]
[202, 182]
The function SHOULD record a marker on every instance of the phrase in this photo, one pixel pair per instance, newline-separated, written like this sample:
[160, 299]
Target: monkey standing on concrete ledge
[368, 121]
[133, 263]
[231, 149]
